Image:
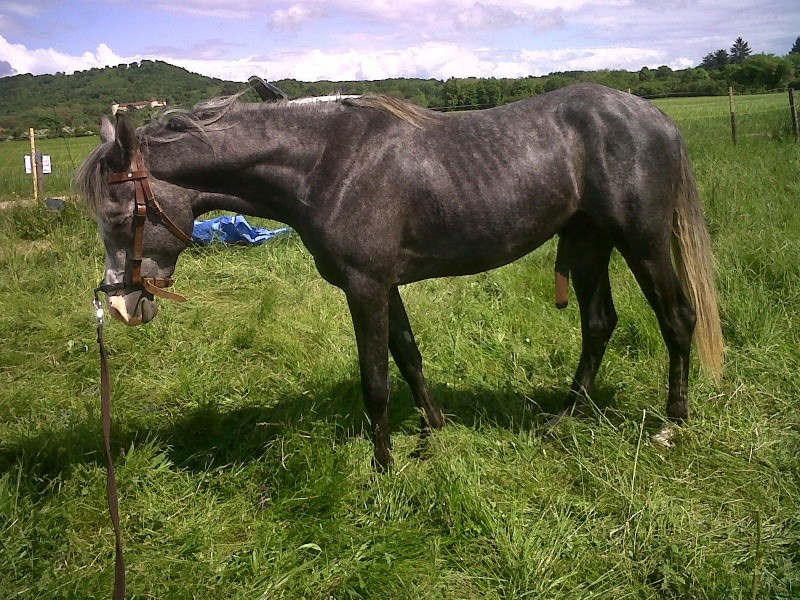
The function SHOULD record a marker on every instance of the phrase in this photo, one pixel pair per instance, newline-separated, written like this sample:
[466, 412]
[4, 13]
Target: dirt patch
[6, 204]
[12, 203]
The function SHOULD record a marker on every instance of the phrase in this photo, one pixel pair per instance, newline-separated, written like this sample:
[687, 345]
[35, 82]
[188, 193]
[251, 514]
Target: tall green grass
[239, 429]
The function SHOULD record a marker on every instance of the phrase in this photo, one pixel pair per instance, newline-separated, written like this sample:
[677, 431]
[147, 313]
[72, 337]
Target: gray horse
[384, 193]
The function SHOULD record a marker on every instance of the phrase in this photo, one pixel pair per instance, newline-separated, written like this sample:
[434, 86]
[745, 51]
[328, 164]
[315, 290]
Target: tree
[663, 72]
[739, 51]
[452, 94]
[793, 58]
[555, 82]
[715, 61]
[763, 72]
[796, 48]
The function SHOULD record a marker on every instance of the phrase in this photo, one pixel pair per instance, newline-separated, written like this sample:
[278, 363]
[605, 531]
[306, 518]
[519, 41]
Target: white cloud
[479, 17]
[21, 9]
[377, 7]
[224, 9]
[204, 50]
[294, 17]
[376, 39]
[48, 60]
[432, 59]
[407, 15]
[438, 60]
[591, 59]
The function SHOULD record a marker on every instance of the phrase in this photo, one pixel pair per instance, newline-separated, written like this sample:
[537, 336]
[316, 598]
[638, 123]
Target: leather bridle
[146, 203]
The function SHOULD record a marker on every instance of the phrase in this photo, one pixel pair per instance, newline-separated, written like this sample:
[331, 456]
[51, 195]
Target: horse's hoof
[664, 438]
[553, 421]
[422, 451]
[558, 417]
[382, 462]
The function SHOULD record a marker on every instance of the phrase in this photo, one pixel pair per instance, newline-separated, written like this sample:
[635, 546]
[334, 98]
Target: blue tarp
[233, 230]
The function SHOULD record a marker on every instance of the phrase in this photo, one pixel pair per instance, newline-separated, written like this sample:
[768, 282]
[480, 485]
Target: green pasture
[66, 154]
[708, 119]
[244, 469]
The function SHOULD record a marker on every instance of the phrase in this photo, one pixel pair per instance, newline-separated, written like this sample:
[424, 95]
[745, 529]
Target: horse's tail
[695, 263]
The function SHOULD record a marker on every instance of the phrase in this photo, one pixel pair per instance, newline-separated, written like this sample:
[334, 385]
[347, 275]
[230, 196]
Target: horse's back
[468, 192]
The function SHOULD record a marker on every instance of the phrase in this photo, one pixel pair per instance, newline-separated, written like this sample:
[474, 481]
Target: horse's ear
[126, 145]
[107, 133]
[126, 139]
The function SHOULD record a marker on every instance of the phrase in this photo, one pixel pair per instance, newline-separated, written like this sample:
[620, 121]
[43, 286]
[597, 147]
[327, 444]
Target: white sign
[47, 165]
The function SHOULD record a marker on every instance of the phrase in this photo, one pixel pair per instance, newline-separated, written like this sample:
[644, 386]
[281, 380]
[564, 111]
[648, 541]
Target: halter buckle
[99, 313]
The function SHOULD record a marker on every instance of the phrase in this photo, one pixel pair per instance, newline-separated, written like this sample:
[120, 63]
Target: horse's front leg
[368, 302]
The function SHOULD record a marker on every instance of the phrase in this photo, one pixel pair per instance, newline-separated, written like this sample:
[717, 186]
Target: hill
[76, 101]
[71, 104]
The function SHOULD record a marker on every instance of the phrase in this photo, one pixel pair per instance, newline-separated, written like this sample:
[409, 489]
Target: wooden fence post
[40, 174]
[734, 132]
[34, 166]
[793, 108]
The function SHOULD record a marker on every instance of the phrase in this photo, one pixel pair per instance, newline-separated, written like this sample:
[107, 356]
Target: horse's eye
[115, 217]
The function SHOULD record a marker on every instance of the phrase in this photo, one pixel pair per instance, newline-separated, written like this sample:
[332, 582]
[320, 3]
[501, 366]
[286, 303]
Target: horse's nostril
[149, 310]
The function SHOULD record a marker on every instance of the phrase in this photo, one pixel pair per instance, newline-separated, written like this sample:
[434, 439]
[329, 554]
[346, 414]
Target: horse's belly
[467, 254]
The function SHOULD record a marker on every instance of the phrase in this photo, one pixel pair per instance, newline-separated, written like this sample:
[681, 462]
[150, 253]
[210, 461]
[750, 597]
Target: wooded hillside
[62, 104]
[76, 101]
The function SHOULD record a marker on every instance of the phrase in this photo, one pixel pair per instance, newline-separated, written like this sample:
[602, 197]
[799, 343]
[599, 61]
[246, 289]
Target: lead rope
[111, 478]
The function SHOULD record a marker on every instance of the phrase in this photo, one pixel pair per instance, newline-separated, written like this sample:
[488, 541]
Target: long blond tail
[695, 263]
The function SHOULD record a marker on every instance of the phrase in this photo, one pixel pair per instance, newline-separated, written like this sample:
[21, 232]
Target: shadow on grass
[211, 436]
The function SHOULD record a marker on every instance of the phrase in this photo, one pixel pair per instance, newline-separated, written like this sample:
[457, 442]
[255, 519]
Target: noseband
[145, 203]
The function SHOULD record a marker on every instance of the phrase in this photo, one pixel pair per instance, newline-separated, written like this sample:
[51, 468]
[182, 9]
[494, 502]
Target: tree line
[63, 104]
[72, 104]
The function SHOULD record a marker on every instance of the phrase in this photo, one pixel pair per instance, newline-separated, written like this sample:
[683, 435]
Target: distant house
[128, 106]
[331, 98]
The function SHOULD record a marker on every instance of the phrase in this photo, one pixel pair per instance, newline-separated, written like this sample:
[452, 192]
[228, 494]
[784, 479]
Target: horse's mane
[173, 124]
[88, 180]
[208, 113]
[202, 116]
[411, 113]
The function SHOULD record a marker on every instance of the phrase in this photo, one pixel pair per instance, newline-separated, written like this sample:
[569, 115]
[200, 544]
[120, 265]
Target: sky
[343, 40]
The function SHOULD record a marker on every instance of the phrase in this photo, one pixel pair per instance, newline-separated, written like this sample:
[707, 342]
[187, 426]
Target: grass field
[66, 154]
[245, 473]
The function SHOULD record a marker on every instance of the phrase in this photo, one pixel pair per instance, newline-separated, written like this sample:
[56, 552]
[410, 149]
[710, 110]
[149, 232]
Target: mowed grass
[239, 430]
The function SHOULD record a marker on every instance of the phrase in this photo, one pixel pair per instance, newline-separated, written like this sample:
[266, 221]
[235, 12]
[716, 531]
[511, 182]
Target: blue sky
[376, 39]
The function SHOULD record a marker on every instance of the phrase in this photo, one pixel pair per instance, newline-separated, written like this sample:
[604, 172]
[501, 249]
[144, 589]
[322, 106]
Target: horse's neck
[205, 202]
[263, 174]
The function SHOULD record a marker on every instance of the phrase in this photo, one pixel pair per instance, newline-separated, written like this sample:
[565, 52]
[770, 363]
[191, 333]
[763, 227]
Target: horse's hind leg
[676, 318]
[408, 359]
[587, 251]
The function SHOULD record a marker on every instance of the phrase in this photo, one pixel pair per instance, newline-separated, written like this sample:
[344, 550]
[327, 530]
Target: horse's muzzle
[133, 308]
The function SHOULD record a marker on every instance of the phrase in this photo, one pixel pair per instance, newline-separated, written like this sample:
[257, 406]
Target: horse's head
[145, 223]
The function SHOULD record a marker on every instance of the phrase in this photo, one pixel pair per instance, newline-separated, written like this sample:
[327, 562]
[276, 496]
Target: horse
[384, 193]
